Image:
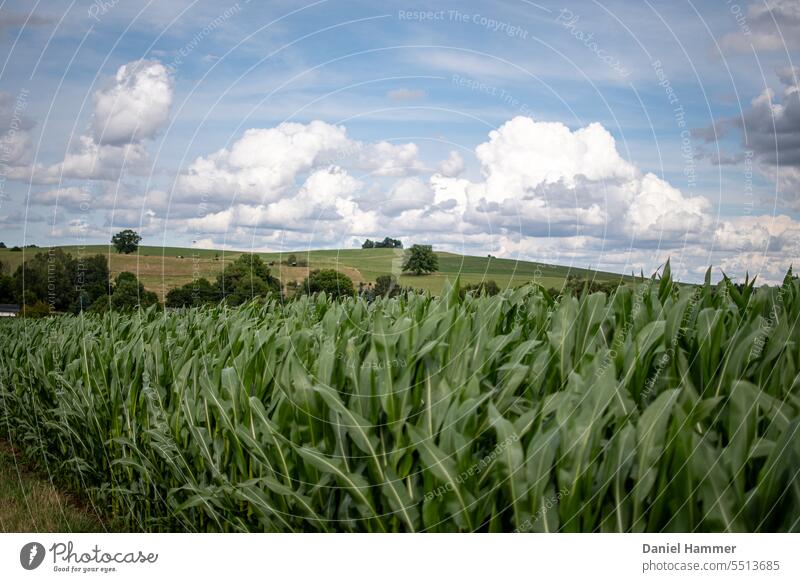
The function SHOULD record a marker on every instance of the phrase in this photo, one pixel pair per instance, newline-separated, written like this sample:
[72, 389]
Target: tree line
[54, 281]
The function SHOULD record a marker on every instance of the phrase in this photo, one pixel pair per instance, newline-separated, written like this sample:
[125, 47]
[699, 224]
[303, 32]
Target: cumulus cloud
[767, 25]
[524, 154]
[546, 192]
[264, 163]
[388, 159]
[453, 166]
[657, 208]
[92, 161]
[545, 188]
[135, 106]
[548, 178]
[405, 194]
[325, 196]
[132, 109]
[759, 234]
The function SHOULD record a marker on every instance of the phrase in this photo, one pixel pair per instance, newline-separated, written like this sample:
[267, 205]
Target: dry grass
[160, 274]
[30, 503]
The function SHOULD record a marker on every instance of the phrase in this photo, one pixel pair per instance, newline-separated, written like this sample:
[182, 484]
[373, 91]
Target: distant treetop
[126, 241]
[386, 243]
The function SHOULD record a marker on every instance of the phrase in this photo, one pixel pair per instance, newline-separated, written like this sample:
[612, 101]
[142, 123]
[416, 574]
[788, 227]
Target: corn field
[659, 408]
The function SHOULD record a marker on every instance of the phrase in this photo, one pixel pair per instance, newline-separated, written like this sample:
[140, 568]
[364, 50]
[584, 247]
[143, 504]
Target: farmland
[161, 269]
[658, 408]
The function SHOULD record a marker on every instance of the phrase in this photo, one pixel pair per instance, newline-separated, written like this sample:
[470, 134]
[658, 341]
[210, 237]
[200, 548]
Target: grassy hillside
[162, 268]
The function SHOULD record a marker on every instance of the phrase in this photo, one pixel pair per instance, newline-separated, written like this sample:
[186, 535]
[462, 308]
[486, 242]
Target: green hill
[162, 268]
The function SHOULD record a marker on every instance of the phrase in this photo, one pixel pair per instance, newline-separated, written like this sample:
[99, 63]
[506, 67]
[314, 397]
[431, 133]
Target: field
[161, 269]
[660, 408]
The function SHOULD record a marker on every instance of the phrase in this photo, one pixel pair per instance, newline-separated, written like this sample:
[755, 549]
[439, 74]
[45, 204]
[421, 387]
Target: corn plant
[663, 407]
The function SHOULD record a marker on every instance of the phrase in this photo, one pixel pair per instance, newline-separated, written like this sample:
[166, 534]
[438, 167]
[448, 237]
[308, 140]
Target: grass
[31, 503]
[371, 263]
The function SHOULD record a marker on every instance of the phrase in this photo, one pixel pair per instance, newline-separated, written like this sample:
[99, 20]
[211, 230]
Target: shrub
[489, 288]
[246, 278]
[195, 294]
[331, 282]
[35, 311]
[387, 286]
[127, 293]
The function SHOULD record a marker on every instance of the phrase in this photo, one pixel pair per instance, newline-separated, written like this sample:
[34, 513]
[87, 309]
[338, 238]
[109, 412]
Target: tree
[247, 277]
[387, 286]
[194, 294]
[390, 243]
[48, 277]
[91, 281]
[386, 243]
[331, 282]
[421, 259]
[7, 289]
[126, 241]
[60, 280]
[2, 245]
[248, 289]
[126, 293]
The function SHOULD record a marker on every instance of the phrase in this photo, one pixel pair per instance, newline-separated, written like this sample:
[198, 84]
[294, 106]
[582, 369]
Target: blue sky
[610, 134]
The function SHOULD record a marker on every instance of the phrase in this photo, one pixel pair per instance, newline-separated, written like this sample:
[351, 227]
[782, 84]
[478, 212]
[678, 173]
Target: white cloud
[659, 209]
[328, 185]
[524, 154]
[541, 177]
[759, 233]
[326, 196]
[405, 194]
[135, 106]
[132, 109]
[90, 160]
[453, 166]
[264, 163]
[548, 193]
[387, 159]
